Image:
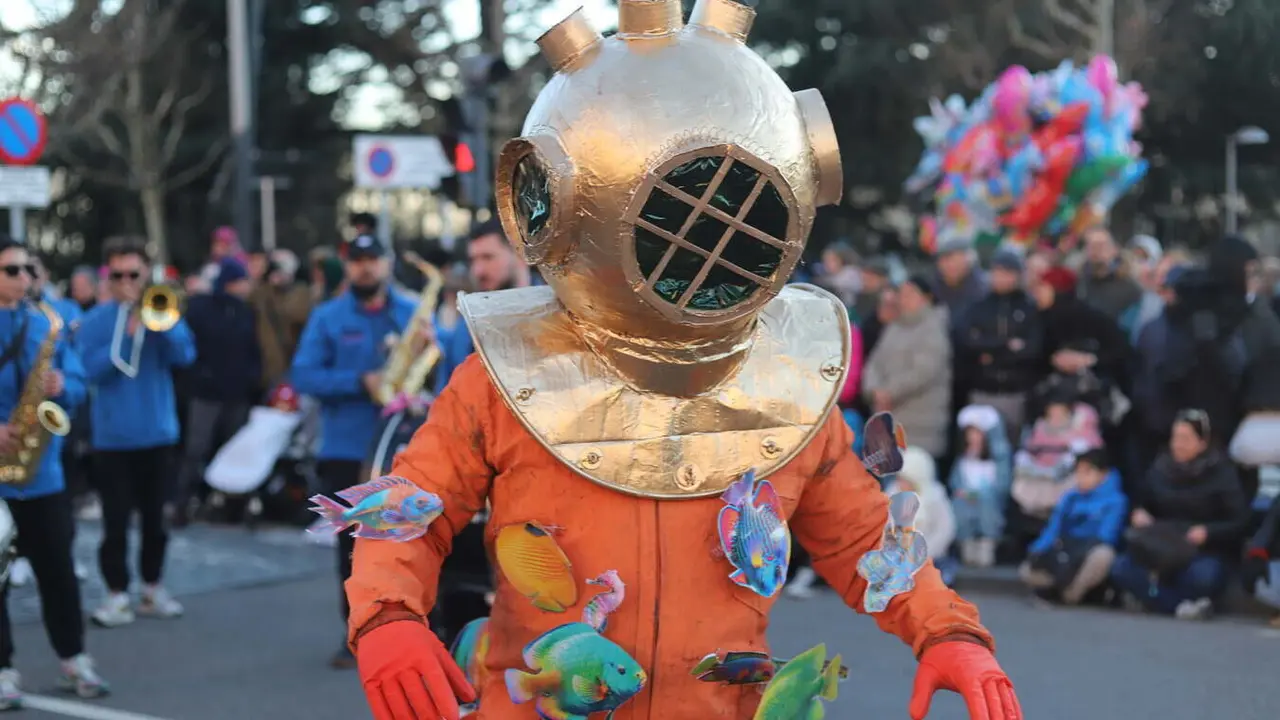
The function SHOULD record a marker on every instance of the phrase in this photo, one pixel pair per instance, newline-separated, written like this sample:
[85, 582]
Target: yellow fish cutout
[536, 566]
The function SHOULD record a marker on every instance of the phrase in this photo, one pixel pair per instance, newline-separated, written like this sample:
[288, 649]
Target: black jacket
[1070, 324]
[228, 364]
[1205, 491]
[990, 325]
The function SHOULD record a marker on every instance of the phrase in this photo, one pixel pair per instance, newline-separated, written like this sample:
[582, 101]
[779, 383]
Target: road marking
[84, 711]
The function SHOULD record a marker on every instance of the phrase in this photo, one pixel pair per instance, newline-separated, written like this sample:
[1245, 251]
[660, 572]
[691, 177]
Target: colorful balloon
[1034, 156]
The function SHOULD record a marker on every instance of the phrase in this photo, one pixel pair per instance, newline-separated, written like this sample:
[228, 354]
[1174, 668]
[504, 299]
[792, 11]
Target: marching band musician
[339, 358]
[41, 508]
[134, 429]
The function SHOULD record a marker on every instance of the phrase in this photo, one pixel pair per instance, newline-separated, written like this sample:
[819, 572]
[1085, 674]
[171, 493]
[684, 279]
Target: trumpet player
[342, 350]
[41, 506]
[130, 362]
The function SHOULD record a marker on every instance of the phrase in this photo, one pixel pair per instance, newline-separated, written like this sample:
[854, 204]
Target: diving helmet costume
[651, 429]
[666, 358]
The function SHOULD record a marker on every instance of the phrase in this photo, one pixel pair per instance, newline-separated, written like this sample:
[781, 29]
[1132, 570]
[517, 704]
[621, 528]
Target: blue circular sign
[381, 162]
[23, 132]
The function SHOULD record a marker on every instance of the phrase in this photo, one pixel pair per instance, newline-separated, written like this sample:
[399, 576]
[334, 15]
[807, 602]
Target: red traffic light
[463, 160]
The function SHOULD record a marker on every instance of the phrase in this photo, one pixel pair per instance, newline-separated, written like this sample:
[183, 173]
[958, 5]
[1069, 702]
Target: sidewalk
[1003, 579]
[201, 559]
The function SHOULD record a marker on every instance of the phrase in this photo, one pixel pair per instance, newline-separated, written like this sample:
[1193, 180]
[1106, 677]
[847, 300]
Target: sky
[464, 16]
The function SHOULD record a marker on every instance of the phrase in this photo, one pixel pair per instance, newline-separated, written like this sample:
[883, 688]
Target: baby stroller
[266, 470]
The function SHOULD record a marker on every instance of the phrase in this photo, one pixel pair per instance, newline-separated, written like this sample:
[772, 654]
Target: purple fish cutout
[754, 536]
[883, 442]
[890, 571]
[389, 508]
[743, 668]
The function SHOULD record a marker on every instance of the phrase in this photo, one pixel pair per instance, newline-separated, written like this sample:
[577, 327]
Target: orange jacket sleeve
[447, 456]
[841, 515]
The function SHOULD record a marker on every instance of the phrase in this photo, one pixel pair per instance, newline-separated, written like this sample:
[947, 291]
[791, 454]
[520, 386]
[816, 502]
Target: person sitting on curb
[1074, 553]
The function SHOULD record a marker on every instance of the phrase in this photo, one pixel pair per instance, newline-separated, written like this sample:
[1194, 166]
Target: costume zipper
[657, 606]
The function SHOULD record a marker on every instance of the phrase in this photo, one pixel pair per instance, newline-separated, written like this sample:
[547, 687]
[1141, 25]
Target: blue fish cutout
[754, 536]
[389, 508]
[891, 570]
[883, 442]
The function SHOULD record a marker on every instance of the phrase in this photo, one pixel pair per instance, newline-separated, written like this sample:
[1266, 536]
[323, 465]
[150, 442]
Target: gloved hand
[970, 670]
[408, 674]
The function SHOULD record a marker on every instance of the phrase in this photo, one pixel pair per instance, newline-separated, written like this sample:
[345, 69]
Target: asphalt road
[248, 650]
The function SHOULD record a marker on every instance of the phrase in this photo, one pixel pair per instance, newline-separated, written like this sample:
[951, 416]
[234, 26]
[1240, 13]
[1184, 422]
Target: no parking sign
[23, 132]
[387, 162]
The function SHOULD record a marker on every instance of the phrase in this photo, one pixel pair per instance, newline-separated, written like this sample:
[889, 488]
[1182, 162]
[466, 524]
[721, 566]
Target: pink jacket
[853, 383]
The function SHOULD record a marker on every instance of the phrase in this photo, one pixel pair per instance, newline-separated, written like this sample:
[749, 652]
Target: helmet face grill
[712, 228]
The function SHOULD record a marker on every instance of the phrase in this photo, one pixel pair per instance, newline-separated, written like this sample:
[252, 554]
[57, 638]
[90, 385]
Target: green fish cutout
[798, 689]
[575, 671]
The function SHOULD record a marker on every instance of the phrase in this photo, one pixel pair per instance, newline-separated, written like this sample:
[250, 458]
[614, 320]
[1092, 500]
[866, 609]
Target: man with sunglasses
[339, 362]
[41, 508]
[134, 429]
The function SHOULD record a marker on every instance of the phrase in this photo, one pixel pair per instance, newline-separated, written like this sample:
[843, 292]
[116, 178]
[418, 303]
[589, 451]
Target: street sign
[387, 162]
[23, 132]
[26, 187]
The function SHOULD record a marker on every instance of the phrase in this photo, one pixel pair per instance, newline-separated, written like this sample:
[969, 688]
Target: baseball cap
[362, 247]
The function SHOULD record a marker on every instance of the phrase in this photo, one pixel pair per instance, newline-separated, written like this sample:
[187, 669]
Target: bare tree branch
[178, 119]
[195, 172]
[1068, 19]
[1020, 39]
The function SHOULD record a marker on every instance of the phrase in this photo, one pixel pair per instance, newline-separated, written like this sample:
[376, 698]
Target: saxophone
[36, 419]
[405, 375]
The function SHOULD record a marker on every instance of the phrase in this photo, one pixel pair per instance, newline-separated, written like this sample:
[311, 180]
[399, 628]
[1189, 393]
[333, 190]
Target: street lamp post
[1251, 135]
[239, 58]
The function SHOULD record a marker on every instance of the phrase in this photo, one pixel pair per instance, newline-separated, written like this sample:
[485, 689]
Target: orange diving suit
[665, 185]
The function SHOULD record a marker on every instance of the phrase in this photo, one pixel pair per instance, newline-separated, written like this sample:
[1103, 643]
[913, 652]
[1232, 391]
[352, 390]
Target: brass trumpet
[160, 308]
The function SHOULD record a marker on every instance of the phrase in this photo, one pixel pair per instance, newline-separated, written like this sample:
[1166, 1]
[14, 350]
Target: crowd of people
[1100, 417]
[1099, 421]
[152, 397]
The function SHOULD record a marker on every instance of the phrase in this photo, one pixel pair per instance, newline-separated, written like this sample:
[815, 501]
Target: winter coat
[1099, 514]
[1110, 291]
[936, 521]
[1205, 491]
[912, 363]
[992, 323]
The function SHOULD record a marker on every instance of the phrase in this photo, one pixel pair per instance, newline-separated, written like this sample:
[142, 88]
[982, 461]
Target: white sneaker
[115, 611]
[1194, 609]
[80, 677]
[20, 572]
[801, 586]
[10, 689]
[156, 602]
[91, 510]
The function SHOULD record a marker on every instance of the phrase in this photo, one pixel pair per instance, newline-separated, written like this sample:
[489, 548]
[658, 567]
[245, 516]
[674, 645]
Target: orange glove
[408, 674]
[970, 670]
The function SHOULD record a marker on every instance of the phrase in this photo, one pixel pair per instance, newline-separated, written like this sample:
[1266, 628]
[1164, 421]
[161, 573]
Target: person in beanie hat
[958, 283]
[223, 381]
[909, 371]
[999, 344]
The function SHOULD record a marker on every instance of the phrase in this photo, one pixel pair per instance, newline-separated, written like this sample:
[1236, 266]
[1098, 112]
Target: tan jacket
[281, 313]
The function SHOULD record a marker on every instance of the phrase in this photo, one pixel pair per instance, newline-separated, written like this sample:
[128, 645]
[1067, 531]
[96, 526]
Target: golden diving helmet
[664, 184]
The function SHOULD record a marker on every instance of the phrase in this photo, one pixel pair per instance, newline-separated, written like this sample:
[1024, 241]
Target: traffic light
[459, 153]
[463, 160]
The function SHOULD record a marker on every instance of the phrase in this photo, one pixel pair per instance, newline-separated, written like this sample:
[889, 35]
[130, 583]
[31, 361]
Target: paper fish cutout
[536, 566]
[883, 442]
[753, 535]
[744, 668]
[389, 508]
[575, 671]
[797, 690]
[470, 649]
[890, 571]
[597, 611]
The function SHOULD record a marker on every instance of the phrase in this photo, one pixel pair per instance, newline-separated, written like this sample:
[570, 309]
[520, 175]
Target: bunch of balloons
[1035, 158]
